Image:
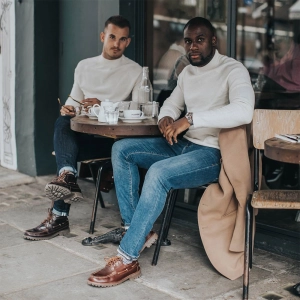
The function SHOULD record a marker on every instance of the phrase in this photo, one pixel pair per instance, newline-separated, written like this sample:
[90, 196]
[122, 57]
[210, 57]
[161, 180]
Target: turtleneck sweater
[219, 95]
[100, 78]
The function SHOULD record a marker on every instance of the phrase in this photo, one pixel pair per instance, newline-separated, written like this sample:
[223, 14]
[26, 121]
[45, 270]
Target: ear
[214, 41]
[102, 35]
[128, 42]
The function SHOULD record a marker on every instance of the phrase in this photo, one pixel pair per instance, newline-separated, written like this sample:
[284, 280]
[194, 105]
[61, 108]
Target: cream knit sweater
[100, 78]
[220, 95]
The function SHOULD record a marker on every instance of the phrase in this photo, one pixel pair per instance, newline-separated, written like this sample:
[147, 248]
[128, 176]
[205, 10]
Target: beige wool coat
[221, 212]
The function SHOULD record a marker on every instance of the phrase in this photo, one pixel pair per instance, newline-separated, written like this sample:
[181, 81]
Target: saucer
[93, 117]
[133, 120]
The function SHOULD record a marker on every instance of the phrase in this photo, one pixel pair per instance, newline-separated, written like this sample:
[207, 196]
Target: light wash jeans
[182, 165]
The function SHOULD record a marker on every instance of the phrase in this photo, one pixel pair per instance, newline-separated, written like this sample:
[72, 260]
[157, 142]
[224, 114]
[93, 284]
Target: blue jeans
[71, 147]
[182, 165]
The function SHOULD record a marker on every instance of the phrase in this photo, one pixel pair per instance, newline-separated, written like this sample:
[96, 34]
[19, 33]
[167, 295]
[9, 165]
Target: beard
[203, 60]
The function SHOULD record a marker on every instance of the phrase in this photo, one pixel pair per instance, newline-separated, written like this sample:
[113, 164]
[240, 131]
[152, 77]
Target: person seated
[94, 81]
[217, 92]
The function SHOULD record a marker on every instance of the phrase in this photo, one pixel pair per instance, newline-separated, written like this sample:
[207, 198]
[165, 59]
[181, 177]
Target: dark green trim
[231, 28]
[134, 11]
[46, 29]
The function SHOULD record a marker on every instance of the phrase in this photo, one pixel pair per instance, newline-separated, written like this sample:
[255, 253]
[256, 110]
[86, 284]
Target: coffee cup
[123, 105]
[93, 112]
[133, 114]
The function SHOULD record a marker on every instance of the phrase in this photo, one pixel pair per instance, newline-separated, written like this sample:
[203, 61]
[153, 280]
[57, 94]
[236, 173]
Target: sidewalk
[58, 268]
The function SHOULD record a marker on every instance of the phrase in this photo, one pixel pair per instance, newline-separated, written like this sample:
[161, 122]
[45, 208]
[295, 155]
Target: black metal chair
[166, 222]
[103, 182]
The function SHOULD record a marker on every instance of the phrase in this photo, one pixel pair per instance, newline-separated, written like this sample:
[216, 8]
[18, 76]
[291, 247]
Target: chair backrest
[266, 123]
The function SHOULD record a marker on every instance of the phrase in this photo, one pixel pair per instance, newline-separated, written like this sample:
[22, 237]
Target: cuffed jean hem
[126, 255]
[69, 169]
[59, 213]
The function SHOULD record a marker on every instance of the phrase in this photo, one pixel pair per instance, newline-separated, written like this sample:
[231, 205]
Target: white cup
[93, 111]
[111, 115]
[123, 105]
[133, 114]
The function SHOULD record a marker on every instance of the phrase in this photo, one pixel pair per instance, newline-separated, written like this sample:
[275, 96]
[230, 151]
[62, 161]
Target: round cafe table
[147, 127]
[280, 150]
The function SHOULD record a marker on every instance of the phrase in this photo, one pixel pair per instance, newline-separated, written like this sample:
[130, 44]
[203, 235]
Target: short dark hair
[199, 21]
[118, 21]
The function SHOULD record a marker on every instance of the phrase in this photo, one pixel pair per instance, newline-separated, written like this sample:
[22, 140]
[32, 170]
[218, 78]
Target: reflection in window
[169, 18]
[268, 44]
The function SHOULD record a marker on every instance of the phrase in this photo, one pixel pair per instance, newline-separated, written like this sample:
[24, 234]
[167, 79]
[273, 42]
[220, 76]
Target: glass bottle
[145, 89]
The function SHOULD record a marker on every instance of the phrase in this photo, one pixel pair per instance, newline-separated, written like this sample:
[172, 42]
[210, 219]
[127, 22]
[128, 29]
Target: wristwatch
[189, 117]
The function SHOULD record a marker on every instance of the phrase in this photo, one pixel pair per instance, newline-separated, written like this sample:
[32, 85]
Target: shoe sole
[130, 277]
[150, 241]
[55, 192]
[34, 238]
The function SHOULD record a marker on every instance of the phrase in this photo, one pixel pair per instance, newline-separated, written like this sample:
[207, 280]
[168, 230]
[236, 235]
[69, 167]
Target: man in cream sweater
[108, 76]
[218, 94]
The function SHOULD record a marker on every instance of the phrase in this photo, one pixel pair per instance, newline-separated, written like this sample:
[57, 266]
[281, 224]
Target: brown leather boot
[114, 273]
[64, 187]
[52, 226]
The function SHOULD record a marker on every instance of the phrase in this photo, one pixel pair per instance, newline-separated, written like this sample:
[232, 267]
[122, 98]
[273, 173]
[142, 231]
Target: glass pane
[169, 18]
[268, 37]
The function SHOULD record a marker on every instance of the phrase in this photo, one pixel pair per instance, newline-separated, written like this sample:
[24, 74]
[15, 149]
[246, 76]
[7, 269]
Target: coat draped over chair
[221, 212]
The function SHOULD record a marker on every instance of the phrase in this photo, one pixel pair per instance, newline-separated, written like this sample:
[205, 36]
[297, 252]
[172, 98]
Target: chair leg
[174, 194]
[98, 197]
[164, 228]
[248, 248]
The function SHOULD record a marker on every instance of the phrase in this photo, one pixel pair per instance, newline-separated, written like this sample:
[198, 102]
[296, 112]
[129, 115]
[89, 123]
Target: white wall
[8, 156]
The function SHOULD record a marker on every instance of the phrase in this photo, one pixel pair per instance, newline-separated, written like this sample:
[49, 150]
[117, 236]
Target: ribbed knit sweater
[220, 95]
[100, 78]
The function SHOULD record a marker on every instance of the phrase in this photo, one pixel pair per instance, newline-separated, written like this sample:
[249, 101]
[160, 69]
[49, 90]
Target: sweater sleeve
[174, 105]
[76, 91]
[240, 108]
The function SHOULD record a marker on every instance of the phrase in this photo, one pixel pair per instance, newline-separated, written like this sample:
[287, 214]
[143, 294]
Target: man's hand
[89, 102]
[68, 110]
[164, 123]
[172, 130]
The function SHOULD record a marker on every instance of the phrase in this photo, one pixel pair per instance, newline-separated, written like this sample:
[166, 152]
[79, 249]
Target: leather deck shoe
[114, 236]
[114, 273]
[151, 238]
[52, 226]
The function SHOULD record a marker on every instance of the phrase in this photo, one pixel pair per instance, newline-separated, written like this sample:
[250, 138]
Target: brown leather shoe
[52, 226]
[151, 238]
[64, 187]
[114, 273]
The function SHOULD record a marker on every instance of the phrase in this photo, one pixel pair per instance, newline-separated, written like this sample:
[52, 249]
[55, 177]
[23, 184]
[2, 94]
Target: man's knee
[62, 121]
[120, 147]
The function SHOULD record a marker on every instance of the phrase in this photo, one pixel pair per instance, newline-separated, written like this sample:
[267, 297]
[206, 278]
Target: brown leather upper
[115, 271]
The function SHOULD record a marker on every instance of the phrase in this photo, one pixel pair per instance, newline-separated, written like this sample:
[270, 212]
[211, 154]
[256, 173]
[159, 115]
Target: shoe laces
[62, 176]
[112, 260]
[49, 218]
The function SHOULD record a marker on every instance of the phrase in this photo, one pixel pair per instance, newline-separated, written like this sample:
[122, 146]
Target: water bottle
[145, 88]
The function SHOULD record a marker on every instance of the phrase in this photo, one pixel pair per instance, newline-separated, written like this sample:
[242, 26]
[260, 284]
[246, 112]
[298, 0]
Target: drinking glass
[111, 115]
[150, 109]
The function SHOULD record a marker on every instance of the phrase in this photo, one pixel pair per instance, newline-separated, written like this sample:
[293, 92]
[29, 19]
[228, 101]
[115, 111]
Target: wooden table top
[147, 127]
[280, 150]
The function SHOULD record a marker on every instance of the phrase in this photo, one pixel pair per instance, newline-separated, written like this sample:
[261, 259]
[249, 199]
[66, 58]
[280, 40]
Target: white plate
[134, 120]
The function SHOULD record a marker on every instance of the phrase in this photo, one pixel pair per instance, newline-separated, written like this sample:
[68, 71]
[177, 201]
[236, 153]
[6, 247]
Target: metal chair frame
[265, 124]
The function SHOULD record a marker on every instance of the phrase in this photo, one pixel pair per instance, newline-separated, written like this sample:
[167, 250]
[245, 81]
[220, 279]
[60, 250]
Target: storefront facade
[42, 42]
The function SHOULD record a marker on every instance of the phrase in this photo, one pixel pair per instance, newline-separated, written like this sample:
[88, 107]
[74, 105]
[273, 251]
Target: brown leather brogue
[114, 273]
[52, 226]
